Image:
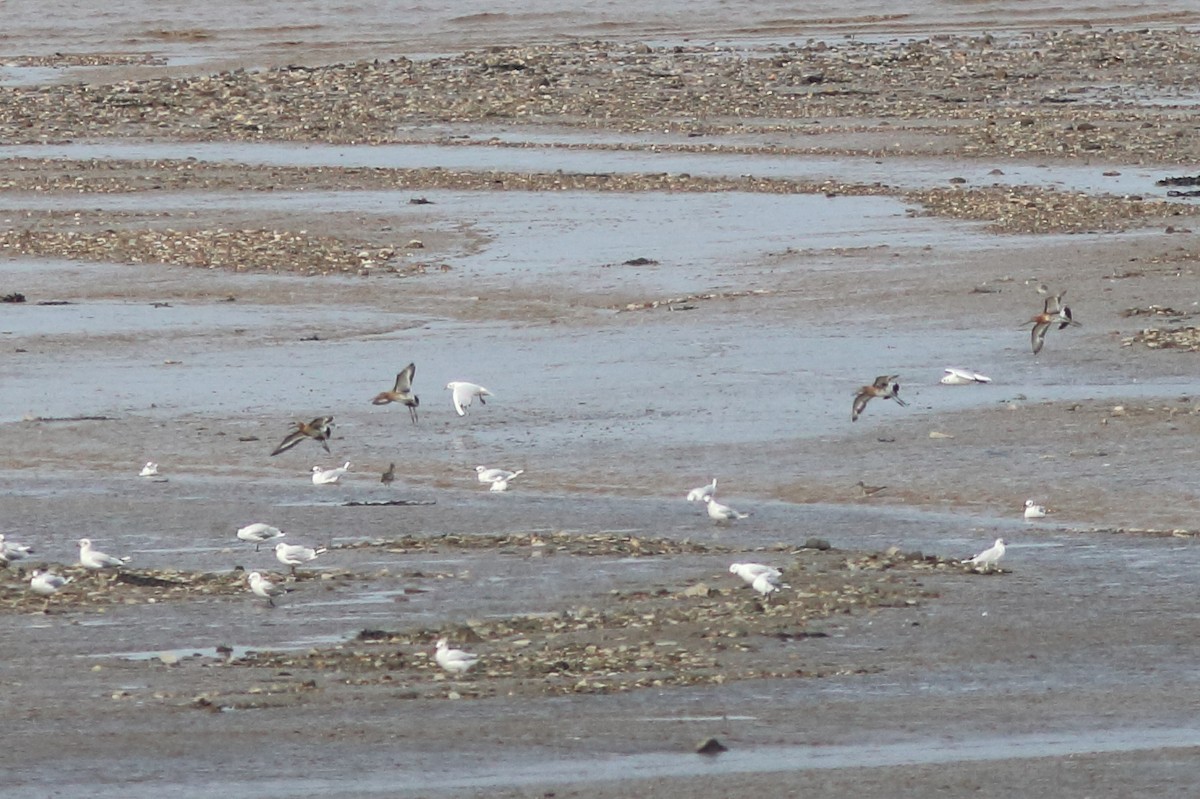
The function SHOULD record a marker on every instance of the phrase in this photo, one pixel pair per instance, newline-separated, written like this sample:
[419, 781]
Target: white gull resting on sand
[47, 583]
[259, 533]
[486, 475]
[464, 393]
[149, 470]
[962, 377]
[989, 558]
[723, 513]
[295, 554]
[454, 661]
[11, 550]
[264, 588]
[1034, 510]
[702, 493]
[322, 477]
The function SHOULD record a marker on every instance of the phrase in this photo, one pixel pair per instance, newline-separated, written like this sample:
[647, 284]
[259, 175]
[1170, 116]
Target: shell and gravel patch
[690, 632]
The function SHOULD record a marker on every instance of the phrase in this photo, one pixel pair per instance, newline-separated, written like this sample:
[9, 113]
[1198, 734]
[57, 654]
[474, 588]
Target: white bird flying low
[1034, 510]
[723, 513]
[463, 394]
[702, 493]
[11, 550]
[455, 661]
[296, 554]
[322, 477]
[962, 377]
[94, 559]
[988, 558]
[261, 586]
[259, 533]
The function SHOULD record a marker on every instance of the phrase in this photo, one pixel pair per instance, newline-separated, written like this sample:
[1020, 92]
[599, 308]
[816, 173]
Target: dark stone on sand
[711, 746]
[817, 543]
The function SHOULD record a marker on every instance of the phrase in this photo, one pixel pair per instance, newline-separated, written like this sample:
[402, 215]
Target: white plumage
[463, 394]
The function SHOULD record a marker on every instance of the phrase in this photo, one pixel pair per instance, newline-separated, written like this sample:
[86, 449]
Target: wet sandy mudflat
[649, 314]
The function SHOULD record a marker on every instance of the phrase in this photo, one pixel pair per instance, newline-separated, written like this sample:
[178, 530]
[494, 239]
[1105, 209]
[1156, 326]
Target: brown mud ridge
[687, 634]
[1035, 94]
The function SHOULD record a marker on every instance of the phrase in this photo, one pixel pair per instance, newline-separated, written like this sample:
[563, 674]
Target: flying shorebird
[322, 477]
[94, 559]
[390, 475]
[455, 661]
[402, 392]
[723, 513]
[259, 533]
[462, 394]
[319, 429]
[296, 554]
[1053, 313]
[989, 558]
[702, 493]
[884, 386]
[261, 586]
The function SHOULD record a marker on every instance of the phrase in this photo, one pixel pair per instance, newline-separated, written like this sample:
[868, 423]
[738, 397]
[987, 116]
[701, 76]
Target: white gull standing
[296, 554]
[322, 477]
[261, 586]
[259, 533]
[989, 558]
[455, 661]
[463, 394]
[94, 559]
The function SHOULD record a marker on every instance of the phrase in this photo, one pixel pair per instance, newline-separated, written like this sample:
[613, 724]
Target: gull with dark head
[462, 394]
[884, 386]
[402, 392]
[319, 430]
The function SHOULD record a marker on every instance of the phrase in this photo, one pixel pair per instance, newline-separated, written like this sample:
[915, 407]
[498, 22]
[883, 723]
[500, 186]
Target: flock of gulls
[763, 579]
